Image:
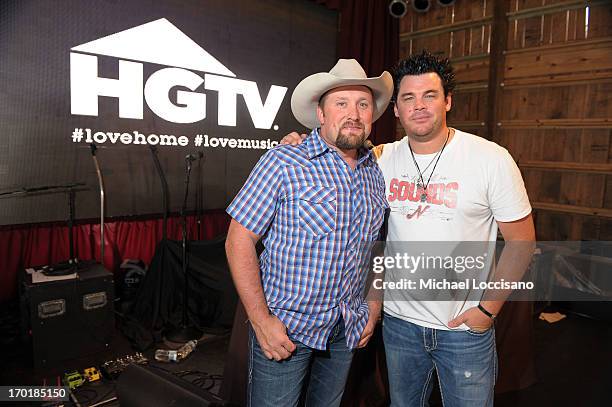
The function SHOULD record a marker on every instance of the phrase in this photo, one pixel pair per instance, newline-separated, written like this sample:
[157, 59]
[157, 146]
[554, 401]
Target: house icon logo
[162, 43]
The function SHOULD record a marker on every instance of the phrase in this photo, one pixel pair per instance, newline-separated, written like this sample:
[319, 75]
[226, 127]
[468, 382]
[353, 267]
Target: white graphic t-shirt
[475, 183]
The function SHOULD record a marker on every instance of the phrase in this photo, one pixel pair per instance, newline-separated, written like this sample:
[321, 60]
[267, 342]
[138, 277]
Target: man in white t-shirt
[444, 185]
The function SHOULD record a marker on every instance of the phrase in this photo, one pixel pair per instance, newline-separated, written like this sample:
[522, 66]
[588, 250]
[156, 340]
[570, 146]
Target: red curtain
[35, 245]
[369, 34]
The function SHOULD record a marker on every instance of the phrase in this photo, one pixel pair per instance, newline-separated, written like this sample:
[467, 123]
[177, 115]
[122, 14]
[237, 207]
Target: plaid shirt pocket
[317, 210]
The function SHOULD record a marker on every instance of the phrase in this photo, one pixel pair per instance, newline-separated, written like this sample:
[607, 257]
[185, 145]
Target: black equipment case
[68, 319]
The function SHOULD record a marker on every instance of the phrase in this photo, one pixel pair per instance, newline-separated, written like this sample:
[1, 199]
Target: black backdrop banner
[183, 76]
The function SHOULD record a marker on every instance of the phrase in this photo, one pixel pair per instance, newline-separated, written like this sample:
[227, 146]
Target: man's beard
[348, 141]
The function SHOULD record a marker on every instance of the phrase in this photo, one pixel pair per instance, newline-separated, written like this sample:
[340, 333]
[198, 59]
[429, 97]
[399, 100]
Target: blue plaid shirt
[314, 213]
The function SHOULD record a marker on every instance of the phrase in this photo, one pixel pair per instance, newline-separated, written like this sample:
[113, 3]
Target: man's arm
[513, 262]
[516, 256]
[244, 267]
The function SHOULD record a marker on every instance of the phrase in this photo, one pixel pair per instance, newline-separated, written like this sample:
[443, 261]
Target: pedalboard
[113, 368]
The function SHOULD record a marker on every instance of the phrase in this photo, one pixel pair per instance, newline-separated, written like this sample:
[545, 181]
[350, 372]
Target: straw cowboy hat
[308, 92]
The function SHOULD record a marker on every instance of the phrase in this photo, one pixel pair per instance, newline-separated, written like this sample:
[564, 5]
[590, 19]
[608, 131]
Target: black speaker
[142, 386]
[421, 6]
[68, 319]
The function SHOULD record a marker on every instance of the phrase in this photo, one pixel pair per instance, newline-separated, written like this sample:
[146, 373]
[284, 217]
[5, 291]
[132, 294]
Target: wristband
[487, 313]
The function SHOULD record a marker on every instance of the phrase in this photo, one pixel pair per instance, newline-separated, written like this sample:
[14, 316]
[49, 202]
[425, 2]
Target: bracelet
[487, 313]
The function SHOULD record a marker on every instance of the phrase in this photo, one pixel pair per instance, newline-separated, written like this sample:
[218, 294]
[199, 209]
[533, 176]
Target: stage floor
[206, 361]
[574, 364]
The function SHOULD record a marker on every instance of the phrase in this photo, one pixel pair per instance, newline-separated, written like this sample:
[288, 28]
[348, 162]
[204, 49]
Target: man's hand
[272, 337]
[293, 138]
[474, 318]
[374, 308]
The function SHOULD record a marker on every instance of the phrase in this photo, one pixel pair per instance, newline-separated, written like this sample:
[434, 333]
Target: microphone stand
[185, 332]
[199, 202]
[164, 185]
[93, 149]
[72, 264]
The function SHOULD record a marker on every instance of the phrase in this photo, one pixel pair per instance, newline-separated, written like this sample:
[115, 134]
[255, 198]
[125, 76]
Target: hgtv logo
[160, 42]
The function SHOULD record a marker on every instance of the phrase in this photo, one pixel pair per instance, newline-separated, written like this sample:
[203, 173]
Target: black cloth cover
[212, 297]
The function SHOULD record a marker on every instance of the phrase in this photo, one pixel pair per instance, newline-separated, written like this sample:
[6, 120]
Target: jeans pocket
[479, 333]
[317, 210]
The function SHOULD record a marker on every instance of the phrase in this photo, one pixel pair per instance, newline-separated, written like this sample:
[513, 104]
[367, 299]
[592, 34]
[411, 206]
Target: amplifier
[70, 318]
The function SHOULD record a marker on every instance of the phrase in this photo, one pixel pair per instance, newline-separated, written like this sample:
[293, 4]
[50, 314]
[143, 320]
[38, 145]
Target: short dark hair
[425, 62]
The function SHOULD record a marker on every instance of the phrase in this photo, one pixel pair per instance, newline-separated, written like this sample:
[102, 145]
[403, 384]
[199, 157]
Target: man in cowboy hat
[314, 205]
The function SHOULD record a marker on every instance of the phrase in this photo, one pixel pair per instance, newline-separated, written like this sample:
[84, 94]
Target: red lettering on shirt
[393, 185]
[437, 194]
[450, 196]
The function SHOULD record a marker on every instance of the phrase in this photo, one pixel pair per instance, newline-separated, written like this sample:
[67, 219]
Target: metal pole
[101, 184]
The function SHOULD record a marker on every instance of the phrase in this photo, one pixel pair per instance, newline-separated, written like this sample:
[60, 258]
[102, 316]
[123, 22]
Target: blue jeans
[465, 362]
[282, 384]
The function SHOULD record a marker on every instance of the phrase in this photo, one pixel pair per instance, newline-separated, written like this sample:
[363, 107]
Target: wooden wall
[546, 68]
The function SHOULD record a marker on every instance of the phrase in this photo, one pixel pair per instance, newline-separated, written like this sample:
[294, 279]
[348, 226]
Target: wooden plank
[476, 33]
[599, 21]
[608, 195]
[531, 10]
[461, 13]
[469, 106]
[606, 230]
[582, 189]
[598, 104]
[557, 123]
[430, 31]
[496, 66]
[607, 213]
[572, 58]
[488, 6]
[579, 31]
[552, 226]
[558, 106]
[561, 145]
[512, 35]
[471, 71]
[533, 31]
[457, 44]
[477, 9]
[525, 5]
[567, 166]
[563, 79]
[588, 43]
[466, 124]
[590, 148]
[547, 29]
[404, 51]
[441, 44]
[533, 184]
[470, 87]
[406, 23]
[590, 227]
[520, 35]
[558, 27]
[596, 146]
[550, 186]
